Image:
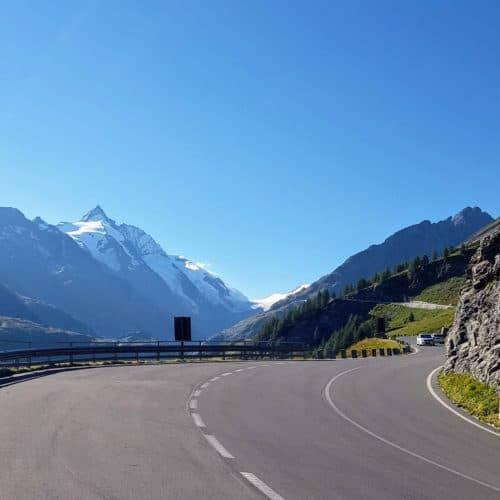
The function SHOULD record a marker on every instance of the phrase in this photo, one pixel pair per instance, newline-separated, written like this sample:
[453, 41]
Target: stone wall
[473, 343]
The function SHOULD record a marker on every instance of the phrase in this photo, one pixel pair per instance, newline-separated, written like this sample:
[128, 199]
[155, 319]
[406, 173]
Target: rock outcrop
[474, 339]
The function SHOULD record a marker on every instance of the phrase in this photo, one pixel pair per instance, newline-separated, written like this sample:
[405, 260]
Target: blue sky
[270, 139]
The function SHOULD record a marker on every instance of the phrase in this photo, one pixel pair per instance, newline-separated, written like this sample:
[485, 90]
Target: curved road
[350, 429]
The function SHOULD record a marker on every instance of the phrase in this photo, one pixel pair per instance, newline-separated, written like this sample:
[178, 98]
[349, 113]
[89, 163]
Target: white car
[438, 338]
[425, 339]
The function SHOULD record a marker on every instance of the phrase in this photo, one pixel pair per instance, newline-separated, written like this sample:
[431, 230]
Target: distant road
[419, 304]
[190, 431]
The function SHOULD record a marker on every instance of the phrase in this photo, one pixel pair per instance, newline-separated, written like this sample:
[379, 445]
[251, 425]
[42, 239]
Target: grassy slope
[446, 292]
[375, 343]
[475, 397]
[426, 320]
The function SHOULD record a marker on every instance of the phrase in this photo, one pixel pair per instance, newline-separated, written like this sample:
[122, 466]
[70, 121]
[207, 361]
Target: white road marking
[226, 374]
[449, 407]
[214, 379]
[390, 443]
[240, 370]
[193, 404]
[196, 393]
[205, 385]
[261, 486]
[197, 420]
[218, 447]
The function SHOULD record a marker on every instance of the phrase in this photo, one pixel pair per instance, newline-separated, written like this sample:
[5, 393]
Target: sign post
[182, 327]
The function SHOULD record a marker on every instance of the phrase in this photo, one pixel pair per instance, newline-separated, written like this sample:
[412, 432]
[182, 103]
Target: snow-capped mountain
[266, 303]
[63, 285]
[173, 282]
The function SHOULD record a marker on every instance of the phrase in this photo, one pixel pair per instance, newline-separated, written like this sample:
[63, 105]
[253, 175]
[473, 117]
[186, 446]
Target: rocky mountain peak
[468, 215]
[96, 214]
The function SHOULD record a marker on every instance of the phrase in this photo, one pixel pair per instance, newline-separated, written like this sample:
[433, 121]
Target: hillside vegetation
[369, 309]
[446, 292]
[401, 320]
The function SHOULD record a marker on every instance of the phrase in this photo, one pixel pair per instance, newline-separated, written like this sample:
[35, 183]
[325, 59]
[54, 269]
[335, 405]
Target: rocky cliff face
[474, 340]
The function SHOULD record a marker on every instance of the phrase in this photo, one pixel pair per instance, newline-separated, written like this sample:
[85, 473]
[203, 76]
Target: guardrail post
[374, 353]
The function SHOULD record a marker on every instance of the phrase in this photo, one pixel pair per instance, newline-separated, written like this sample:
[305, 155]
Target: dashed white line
[218, 447]
[197, 420]
[193, 404]
[239, 370]
[205, 385]
[196, 393]
[448, 407]
[214, 379]
[261, 486]
[226, 374]
[339, 412]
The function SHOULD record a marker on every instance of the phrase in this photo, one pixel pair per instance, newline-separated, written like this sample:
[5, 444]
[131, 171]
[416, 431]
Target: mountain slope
[378, 308]
[169, 281]
[420, 239]
[39, 261]
[11, 305]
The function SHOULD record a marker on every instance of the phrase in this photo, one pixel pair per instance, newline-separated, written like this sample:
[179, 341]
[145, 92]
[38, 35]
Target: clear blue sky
[271, 139]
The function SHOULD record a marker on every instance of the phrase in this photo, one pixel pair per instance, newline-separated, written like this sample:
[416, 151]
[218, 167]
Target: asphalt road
[349, 429]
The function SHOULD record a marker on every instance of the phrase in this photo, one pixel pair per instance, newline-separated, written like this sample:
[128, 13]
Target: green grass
[446, 292]
[425, 320]
[479, 399]
[373, 343]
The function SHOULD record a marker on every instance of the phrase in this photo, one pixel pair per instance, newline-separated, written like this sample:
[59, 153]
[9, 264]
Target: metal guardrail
[105, 351]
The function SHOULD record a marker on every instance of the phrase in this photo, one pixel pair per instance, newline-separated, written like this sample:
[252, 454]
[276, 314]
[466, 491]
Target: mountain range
[95, 276]
[419, 239]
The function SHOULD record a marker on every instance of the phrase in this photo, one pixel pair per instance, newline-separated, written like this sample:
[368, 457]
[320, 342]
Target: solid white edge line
[214, 379]
[390, 443]
[449, 407]
[196, 393]
[197, 420]
[193, 404]
[205, 385]
[226, 374]
[261, 486]
[218, 447]
[239, 370]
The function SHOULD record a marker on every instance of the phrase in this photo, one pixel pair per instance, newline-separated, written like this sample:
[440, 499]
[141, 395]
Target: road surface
[345, 429]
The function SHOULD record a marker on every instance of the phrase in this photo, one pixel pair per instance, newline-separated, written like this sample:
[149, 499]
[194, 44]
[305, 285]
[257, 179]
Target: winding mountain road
[349, 429]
